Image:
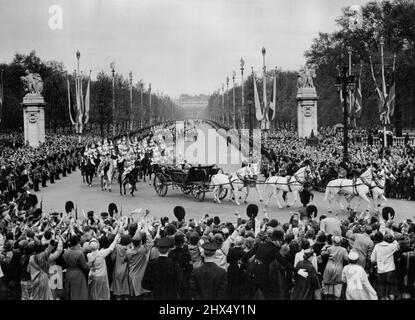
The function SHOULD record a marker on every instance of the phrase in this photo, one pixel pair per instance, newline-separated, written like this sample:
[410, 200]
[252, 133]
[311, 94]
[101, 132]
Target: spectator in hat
[69, 208]
[163, 276]
[180, 214]
[194, 250]
[332, 276]
[180, 254]
[98, 283]
[236, 271]
[356, 279]
[75, 284]
[208, 282]
[137, 258]
[363, 245]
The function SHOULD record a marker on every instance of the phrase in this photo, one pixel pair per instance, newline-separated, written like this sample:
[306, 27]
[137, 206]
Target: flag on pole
[358, 100]
[258, 110]
[379, 93]
[87, 100]
[390, 104]
[350, 105]
[69, 102]
[273, 102]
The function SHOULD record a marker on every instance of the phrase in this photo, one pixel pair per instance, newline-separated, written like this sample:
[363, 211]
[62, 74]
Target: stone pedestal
[307, 112]
[34, 119]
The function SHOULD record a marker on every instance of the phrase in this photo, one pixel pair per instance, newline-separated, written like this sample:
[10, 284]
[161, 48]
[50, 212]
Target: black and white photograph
[226, 151]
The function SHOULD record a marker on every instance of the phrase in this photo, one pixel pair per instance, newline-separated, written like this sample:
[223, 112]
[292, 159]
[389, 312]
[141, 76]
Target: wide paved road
[72, 188]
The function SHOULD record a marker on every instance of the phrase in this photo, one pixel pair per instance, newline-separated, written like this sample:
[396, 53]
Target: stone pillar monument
[33, 110]
[306, 104]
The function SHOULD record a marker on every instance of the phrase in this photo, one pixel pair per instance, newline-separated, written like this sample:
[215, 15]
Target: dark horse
[120, 170]
[89, 171]
[131, 178]
[146, 167]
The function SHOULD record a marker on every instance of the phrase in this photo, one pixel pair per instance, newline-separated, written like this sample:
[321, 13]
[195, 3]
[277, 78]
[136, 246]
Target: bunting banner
[87, 101]
[258, 110]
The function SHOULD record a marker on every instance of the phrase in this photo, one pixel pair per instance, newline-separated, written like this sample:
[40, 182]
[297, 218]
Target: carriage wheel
[223, 192]
[199, 193]
[160, 185]
[186, 190]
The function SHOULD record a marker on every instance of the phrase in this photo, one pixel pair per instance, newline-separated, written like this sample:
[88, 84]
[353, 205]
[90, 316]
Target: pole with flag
[390, 104]
[258, 111]
[273, 101]
[358, 99]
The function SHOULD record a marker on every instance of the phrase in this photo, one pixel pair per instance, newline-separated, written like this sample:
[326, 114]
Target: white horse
[248, 175]
[377, 187]
[358, 187]
[222, 181]
[292, 184]
[378, 190]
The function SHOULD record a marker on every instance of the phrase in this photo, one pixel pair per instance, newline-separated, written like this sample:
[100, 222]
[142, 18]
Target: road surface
[72, 188]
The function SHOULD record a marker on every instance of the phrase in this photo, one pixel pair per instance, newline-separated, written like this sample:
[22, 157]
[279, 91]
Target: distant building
[192, 105]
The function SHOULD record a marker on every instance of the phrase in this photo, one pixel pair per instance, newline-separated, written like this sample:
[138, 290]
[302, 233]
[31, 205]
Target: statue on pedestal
[305, 78]
[33, 83]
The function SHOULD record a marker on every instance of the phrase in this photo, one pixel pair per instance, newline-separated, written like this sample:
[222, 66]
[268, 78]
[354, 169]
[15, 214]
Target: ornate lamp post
[112, 66]
[345, 83]
[233, 99]
[242, 98]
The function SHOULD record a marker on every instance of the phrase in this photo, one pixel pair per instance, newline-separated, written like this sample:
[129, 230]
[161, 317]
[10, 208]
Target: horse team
[370, 182]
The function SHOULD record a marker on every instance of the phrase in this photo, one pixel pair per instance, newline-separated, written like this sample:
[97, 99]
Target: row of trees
[394, 20]
[55, 92]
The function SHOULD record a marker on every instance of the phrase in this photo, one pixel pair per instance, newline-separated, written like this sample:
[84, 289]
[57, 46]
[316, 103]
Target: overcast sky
[180, 46]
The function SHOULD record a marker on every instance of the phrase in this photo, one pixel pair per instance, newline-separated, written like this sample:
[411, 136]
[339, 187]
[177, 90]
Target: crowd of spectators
[136, 256]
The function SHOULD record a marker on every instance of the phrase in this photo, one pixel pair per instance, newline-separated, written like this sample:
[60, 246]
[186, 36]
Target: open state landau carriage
[195, 181]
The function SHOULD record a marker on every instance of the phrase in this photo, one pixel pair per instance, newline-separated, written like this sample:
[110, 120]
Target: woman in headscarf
[75, 284]
[138, 257]
[332, 276]
[358, 285]
[98, 283]
[39, 272]
[120, 284]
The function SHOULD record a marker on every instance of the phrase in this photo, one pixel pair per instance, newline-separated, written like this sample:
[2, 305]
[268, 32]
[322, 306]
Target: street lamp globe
[78, 54]
[263, 51]
[242, 62]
